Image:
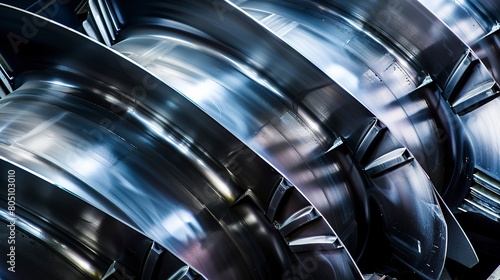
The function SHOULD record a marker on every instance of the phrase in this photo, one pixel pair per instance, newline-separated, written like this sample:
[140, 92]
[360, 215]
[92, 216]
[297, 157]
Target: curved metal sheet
[291, 118]
[111, 136]
[376, 47]
[234, 100]
[400, 24]
[471, 20]
[376, 75]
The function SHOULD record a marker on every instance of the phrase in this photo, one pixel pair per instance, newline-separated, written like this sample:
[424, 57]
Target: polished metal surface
[467, 88]
[279, 111]
[250, 139]
[376, 74]
[113, 145]
[471, 20]
[304, 113]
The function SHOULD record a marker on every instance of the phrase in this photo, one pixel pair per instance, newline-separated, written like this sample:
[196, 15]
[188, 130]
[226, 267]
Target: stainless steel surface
[377, 74]
[60, 236]
[257, 113]
[280, 110]
[471, 20]
[251, 139]
[114, 142]
[476, 23]
[326, 34]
